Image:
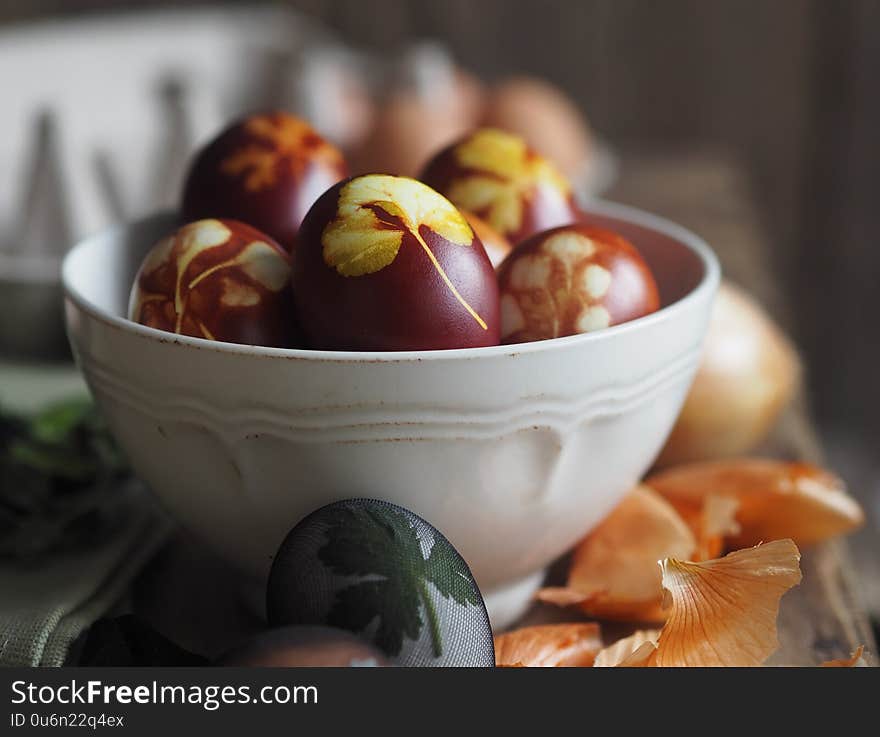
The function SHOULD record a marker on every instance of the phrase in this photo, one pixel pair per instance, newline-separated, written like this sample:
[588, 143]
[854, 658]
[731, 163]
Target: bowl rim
[708, 283]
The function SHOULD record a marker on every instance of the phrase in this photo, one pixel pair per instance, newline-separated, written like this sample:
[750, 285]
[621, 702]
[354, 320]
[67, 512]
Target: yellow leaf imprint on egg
[372, 215]
[511, 174]
[283, 137]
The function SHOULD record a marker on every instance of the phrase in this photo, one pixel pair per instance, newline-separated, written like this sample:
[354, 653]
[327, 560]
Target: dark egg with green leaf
[307, 646]
[387, 263]
[386, 575]
[265, 170]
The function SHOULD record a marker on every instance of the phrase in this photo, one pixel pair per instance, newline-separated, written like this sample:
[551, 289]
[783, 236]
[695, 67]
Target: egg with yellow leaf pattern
[265, 170]
[386, 263]
[496, 176]
[219, 280]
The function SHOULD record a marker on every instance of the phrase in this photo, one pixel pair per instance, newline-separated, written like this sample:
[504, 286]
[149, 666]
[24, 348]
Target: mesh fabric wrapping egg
[384, 573]
[265, 170]
[307, 646]
[219, 280]
[570, 280]
[496, 176]
[386, 263]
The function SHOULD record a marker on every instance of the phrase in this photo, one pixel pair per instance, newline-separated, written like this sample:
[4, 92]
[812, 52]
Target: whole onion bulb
[748, 374]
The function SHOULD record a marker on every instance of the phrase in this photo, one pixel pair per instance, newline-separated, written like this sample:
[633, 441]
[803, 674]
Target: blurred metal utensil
[44, 224]
[109, 185]
[31, 307]
[175, 144]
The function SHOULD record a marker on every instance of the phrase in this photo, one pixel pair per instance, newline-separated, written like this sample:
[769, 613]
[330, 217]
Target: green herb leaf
[59, 422]
[447, 571]
[381, 544]
[60, 473]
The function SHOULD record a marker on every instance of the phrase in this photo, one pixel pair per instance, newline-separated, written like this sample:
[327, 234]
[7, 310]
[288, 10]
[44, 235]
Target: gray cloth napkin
[45, 607]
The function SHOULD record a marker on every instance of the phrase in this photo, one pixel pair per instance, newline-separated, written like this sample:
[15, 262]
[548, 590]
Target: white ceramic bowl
[513, 452]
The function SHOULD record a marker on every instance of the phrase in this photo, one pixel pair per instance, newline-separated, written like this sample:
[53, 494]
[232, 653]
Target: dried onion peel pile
[856, 660]
[550, 645]
[718, 611]
[773, 499]
[695, 512]
[721, 612]
[614, 572]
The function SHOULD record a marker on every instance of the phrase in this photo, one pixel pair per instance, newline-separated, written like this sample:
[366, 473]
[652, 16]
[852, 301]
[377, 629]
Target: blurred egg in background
[545, 117]
[425, 102]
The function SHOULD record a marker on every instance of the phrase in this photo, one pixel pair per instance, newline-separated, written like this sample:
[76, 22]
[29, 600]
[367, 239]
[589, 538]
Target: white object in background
[513, 452]
[30, 387]
[101, 78]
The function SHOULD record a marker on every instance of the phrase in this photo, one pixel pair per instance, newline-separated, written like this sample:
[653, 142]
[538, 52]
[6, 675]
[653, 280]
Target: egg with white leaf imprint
[219, 280]
[573, 279]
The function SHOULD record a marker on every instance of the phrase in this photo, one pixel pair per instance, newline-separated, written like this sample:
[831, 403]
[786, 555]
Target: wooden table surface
[186, 592]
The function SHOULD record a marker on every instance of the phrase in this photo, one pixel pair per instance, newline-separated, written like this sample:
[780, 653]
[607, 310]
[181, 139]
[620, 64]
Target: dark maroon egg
[386, 263]
[570, 280]
[216, 279]
[266, 170]
[305, 646]
[496, 176]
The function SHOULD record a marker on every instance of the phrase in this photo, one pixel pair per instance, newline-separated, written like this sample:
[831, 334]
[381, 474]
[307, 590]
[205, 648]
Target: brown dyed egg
[569, 280]
[305, 646]
[216, 279]
[410, 129]
[545, 117]
[267, 171]
[496, 245]
[431, 103]
[498, 177]
[387, 263]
